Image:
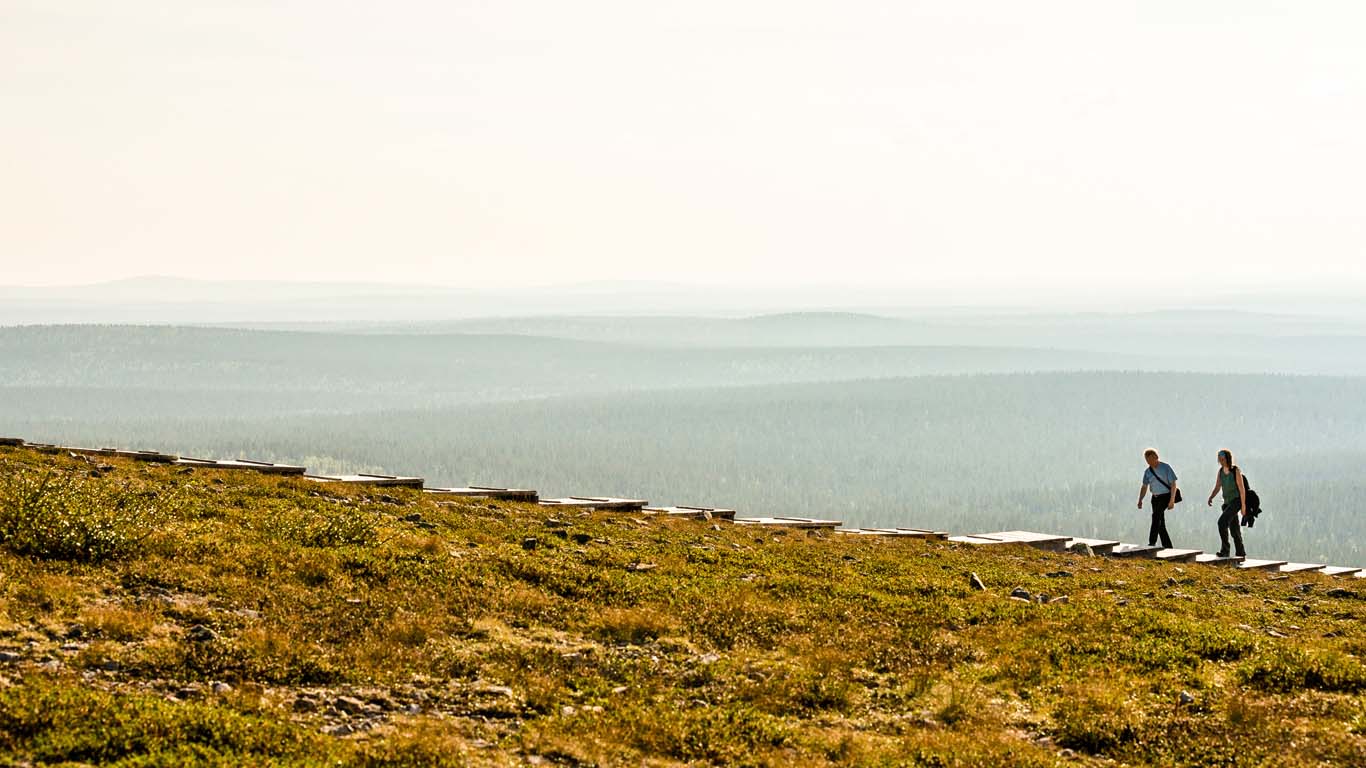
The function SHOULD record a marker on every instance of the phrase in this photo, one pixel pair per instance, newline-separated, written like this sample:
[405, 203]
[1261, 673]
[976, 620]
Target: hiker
[1161, 477]
[1230, 480]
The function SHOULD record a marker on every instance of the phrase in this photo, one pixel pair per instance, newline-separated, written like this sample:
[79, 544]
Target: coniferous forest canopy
[975, 423]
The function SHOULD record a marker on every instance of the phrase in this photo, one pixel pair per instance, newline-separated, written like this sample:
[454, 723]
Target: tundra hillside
[153, 615]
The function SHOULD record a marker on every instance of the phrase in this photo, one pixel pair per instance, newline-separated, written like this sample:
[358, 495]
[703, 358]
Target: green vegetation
[259, 620]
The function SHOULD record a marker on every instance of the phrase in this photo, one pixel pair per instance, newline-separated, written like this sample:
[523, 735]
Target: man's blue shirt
[1164, 474]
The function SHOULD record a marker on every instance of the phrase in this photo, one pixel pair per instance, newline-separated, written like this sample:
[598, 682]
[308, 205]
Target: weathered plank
[1179, 555]
[264, 467]
[977, 540]
[1098, 546]
[915, 533]
[1339, 570]
[597, 502]
[1251, 564]
[149, 456]
[1135, 550]
[1047, 541]
[692, 513]
[377, 481]
[1209, 559]
[1301, 567]
[789, 522]
[484, 492]
[11, 441]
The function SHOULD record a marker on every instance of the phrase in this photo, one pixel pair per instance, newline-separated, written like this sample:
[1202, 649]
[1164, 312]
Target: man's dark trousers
[1159, 528]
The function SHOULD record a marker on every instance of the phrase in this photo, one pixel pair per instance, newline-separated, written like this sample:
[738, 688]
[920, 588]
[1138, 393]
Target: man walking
[1162, 478]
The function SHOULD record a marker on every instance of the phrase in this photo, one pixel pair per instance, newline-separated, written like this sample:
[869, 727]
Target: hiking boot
[1221, 553]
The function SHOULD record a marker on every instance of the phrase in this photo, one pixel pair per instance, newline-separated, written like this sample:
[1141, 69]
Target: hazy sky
[993, 146]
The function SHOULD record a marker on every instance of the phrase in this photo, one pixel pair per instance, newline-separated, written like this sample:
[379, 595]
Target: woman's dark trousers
[1228, 523]
[1159, 527]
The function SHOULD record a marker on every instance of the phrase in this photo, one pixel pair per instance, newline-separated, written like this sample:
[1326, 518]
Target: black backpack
[1254, 502]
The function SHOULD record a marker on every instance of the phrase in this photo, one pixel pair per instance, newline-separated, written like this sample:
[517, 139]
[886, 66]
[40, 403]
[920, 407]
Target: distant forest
[887, 436]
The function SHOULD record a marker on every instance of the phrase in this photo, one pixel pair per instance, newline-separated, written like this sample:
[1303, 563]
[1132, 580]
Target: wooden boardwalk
[1045, 541]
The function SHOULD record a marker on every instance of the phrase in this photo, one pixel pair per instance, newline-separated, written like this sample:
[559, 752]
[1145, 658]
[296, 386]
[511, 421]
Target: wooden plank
[692, 513]
[597, 502]
[1098, 546]
[264, 467]
[977, 540]
[1339, 570]
[1135, 550]
[1208, 559]
[1179, 555]
[1045, 541]
[789, 522]
[485, 492]
[914, 533]
[11, 441]
[1300, 567]
[376, 481]
[1250, 564]
[149, 456]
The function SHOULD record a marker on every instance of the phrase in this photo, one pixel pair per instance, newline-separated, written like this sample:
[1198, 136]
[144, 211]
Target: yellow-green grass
[622, 641]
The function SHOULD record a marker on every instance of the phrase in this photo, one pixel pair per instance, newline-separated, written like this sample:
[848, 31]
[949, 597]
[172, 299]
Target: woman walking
[1230, 481]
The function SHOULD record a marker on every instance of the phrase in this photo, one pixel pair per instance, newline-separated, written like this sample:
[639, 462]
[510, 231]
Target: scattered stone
[385, 498]
[620, 689]
[221, 688]
[580, 538]
[568, 711]
[1186, 699]
[1171, 581]
[1060, 599]
[975, 582]
[1017, 598]
[339, 729]
[642, 567]
[305, 704]
[560, 533]
[1021, 592]
[1273, 633]
[1340, 592]
[8, 657]
[349, 704]
[530, 543]
[1082, 548]
[186, 693]
[1121, 601]
[1280, 577]
[1059, 574]
[498, 690]
[1304, 588]
[201, 634]
[553, 523]
[74, 632]
[415, 517]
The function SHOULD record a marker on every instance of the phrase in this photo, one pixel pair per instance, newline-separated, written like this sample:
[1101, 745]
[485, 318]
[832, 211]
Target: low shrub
[64, 515]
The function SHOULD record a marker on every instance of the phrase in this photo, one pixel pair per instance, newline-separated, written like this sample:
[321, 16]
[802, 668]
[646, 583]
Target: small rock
[642, 567]
[553, 523]
[580, 538]
[221, 688]
[415, 517]
[305, 704]
[620, 689]
[715, 526]
[8, 657]
[976, 582]
[1281, 577]
[1273, 633]
[385, 498]
[1121, 601]
[1305, 588]
[349, 704]
[1059, 574]
[74, 632]
[1021, 592]
[568, 711]
[339, 729]
[185, 694]
[201, 634]
[530, 543]
[1186, 699]
[1060, 599]
[1171, 581]
[1082, 548]
[1019, 599]
[1340, 592]
[498, 690]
